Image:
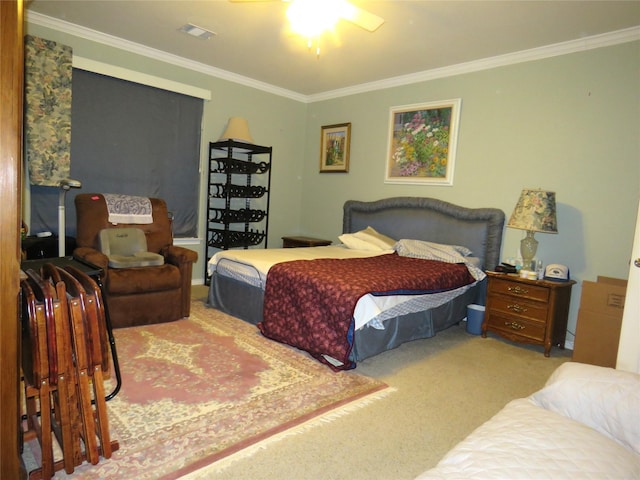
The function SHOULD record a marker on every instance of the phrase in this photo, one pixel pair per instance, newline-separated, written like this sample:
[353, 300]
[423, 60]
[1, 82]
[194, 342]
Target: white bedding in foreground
[252, 266]
[582, 425]
[526, 442]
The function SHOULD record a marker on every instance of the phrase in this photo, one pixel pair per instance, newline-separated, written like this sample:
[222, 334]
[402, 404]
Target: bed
[424, 219]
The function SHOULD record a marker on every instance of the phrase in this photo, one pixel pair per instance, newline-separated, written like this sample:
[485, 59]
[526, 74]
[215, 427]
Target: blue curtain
[129, 139]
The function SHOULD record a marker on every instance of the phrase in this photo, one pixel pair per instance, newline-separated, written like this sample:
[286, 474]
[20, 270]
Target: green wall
[569, 123]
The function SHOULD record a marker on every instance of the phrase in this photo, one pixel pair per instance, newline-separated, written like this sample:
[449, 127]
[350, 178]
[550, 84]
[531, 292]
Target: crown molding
[564, 48]
[132, 47]
[539, 53]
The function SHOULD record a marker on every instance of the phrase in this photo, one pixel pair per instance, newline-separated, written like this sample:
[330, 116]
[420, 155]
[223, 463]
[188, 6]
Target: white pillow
[351, 241]
[370, 235]
[605, 399]
[423, 249]
[440, 252]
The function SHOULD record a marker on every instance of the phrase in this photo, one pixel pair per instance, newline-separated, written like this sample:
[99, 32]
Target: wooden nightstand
[292, 242]
[527, 311]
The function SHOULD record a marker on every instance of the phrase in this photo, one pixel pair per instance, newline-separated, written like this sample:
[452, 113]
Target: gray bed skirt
[245, 302]
[236, 298]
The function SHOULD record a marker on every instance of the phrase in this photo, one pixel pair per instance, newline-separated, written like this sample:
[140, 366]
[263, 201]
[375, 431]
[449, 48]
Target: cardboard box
[599, 321]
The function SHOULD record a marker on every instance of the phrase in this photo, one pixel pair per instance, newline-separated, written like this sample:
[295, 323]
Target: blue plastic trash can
[475, 317]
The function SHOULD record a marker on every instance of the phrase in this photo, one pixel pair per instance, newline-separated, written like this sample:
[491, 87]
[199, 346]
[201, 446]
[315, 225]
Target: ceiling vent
[196, 31]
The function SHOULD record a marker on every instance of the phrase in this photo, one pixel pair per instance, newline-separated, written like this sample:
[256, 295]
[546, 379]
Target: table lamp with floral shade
[534, 212]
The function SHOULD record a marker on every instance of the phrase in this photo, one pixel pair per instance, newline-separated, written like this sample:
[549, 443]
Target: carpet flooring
[444, 387]
[201, 389]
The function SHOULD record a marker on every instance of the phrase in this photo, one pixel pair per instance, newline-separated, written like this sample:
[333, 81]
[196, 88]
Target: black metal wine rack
[226, 239]
[236, 216]
[239, 173]
[221, 190]
[230, 165]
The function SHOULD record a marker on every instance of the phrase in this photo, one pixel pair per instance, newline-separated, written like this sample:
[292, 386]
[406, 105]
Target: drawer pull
[514, 325]
[517, 308]
[518, 289]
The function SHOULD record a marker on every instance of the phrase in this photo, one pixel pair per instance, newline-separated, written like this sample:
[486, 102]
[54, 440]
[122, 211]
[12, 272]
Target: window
[132, 139]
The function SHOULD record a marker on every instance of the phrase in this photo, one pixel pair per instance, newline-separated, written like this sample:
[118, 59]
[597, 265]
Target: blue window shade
[130, 139]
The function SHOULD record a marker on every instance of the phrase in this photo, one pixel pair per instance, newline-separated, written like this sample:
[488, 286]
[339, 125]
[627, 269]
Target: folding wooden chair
[78, 322]
[68, 422]
[98, 354]
[36, 373]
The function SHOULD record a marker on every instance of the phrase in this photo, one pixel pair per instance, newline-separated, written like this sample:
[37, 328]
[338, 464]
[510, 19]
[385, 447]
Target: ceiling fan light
[310, 18]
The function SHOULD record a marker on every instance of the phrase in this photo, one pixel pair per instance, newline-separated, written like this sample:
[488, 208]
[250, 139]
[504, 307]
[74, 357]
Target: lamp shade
[238, 130]
[535, 212]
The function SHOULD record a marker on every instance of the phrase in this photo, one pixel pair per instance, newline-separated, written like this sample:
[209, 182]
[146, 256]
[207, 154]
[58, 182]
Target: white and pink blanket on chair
[128, 208]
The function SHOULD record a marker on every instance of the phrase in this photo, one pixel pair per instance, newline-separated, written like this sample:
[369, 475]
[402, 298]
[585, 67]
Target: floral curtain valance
[47, 115]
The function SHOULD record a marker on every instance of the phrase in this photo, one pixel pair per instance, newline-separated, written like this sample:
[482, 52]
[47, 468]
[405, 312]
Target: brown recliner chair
[137, 295]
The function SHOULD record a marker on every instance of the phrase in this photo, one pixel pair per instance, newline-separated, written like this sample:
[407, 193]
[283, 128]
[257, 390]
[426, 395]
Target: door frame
[11, 91]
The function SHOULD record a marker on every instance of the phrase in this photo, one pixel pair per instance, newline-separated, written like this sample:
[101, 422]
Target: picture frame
[422, 143]
[335, 145]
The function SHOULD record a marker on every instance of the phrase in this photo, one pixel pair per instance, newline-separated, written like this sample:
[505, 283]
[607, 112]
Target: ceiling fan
[318, 10]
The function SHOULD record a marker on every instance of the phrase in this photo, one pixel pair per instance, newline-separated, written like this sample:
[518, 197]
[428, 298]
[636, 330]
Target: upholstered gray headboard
[479, 229]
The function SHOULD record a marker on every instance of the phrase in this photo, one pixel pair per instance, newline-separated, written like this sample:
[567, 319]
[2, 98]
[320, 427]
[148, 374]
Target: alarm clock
[557, 273]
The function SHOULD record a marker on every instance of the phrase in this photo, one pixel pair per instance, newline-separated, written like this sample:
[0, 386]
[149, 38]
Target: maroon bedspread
[309, 304]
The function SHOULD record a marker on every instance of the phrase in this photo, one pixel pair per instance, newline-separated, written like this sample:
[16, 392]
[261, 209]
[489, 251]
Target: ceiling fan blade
[362, 18]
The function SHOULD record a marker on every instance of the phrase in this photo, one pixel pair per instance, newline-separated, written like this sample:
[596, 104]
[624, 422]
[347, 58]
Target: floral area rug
[201, 389]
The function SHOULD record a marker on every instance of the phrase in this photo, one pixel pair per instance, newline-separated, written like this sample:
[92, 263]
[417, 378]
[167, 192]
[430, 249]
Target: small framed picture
[334, 148]
[422, 143]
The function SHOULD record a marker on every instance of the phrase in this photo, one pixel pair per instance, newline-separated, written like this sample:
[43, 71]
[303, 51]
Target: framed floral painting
[335, 142]
[422, 143]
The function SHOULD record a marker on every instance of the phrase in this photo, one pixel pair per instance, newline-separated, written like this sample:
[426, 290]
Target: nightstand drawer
[520, 307]
[513, 326]
[524, 290]
[527, 311]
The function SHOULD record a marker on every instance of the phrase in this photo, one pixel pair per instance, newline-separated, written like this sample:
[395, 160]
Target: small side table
[35, 247]
[527, 311]
[302, 241]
